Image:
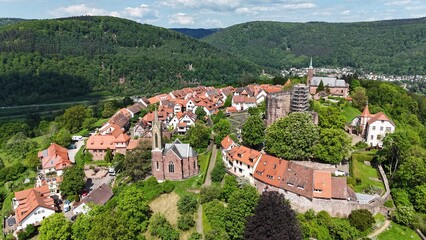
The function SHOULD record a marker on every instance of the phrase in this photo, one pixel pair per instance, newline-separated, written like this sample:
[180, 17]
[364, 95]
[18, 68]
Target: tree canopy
[273, 219]
[253, 132]
[292, 137]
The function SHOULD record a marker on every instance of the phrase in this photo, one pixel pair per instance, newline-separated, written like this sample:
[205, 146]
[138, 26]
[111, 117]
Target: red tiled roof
[56, 157]
[246, 155]
[231, 110]
[322, 184]
[243, 99]
[298, 179]
[339, 188]
[226, 142]
[270, 170]
[366, 112]
[30, 199]
[380, 116]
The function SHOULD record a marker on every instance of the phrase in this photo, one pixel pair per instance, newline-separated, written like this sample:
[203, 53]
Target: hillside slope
[197, 33]
[54, 60]
[395, 46]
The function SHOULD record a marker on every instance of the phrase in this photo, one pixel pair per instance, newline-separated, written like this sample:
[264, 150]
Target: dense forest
[52, 60]
[197, 33]
[391, 47]
[7, 21]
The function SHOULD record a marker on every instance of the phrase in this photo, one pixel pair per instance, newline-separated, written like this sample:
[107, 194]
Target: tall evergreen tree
[320, 87]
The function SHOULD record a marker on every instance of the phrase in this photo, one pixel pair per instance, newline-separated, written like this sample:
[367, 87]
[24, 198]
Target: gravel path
[380, 230]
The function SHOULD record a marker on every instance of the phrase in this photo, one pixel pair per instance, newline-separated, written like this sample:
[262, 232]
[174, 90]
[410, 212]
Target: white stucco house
[374, 127]
[243, 102]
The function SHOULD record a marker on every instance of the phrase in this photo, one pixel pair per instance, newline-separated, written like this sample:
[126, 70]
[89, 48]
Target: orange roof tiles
[226, 142]
[270, 170]
[366, 112]
[100, 142]
[380, 116]
[54, 156]
[30, 199]
[322, 184]
[246, 155]
[231, 110]
[243, 99]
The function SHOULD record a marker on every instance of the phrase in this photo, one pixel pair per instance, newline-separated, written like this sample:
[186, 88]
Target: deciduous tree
[359, 97]
[56, 227]
[273, 219]
[199, 135]
[292, 137]
[333, 146]
[73, 181]
[221, 129]
[253, 132]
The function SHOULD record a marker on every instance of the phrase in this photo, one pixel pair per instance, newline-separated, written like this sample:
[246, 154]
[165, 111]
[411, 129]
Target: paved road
[380, 230]
[73, 152]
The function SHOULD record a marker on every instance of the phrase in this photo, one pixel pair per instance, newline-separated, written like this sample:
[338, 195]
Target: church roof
[183, 150]
[328, 82]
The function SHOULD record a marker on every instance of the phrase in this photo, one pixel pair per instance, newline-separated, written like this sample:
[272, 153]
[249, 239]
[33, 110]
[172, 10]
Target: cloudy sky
[217, 13]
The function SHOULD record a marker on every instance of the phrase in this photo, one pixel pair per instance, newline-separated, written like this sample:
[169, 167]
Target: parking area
[73, 152]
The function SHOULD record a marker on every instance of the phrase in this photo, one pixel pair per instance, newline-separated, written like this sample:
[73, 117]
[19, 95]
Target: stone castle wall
[278, 105]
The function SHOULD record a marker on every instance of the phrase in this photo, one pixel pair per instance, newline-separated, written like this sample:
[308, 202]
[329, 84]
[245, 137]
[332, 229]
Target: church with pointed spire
[171, 161]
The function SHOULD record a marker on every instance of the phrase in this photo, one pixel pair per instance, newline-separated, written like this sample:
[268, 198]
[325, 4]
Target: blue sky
[218, 13]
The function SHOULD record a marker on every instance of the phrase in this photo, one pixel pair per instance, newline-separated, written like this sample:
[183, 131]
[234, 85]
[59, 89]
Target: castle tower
[310, 73]
[365, 116]
[157, 162]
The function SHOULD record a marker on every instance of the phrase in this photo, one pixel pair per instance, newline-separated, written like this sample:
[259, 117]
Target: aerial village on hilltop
[307, 185]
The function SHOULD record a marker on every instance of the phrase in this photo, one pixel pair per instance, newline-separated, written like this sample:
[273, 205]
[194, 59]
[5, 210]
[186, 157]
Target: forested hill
[197, 33]
[7, 21]
[53, 60]
[393, 47]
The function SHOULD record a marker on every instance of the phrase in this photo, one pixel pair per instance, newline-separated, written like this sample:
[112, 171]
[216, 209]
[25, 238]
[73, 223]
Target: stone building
[173, 161]
[335, 86]
[280, 104]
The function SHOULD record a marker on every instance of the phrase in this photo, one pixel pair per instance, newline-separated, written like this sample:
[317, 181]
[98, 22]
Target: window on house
[251, 159]
[371, 137]
[388, 129]
[239, 155]
[259, 172]
[264, 163]
[379, 137]
[158, 165]
[381, 128]
[194, 164]
[241, 170]
[270, 177]
[171, 167]
[374, 128]
[317, 190]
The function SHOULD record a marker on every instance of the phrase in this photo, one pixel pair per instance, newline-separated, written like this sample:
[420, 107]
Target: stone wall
[278, 105]
[335, 207]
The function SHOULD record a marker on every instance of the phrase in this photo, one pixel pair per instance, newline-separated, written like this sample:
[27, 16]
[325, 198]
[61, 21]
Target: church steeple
[310, 64]
[156, 133]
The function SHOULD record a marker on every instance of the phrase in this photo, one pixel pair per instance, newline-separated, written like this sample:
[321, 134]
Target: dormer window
[275, 166]
[264, 163]
[317, 190]
[251, 160]
[270, 177]
[239, 155]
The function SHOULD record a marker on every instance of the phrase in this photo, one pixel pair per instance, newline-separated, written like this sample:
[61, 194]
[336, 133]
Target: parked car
[339, 173]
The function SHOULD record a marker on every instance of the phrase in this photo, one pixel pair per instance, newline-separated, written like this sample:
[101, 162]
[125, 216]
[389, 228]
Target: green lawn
[100, 122]
[350, 113]
[206, 223]
[365, 173]
[398, 232]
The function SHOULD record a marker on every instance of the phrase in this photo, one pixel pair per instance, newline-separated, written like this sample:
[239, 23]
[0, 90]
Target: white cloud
[81, 9]
[416, 8]
[213, 23]
[346, 12]
[141, 11]
[398, 3]
[181, 19]
[218, 5]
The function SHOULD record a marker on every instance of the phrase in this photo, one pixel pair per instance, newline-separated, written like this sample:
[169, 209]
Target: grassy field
[368, 175]
[398, 232]
[350, 113]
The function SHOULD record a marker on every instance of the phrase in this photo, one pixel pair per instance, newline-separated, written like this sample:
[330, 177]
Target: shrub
[187, 204]
[185, 222]
[168, 186]
[159, 226]
[361, 219]
[215, 212]
[389, 204]
[210, 193]
[351, 181]
[404, 215]
[195, 236]
[218, 171]
[216, 234]
[361, 145]
[29, 232]
[229, 186]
